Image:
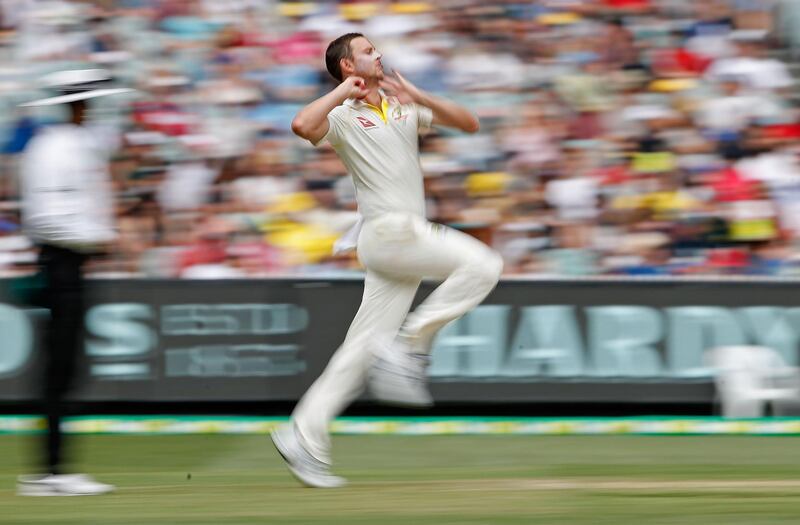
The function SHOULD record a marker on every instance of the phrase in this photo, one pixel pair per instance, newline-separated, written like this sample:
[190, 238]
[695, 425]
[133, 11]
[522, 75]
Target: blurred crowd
[623, 137]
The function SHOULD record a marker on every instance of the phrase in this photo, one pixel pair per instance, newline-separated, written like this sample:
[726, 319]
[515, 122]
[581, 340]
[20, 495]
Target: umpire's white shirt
[380, 149]
[66, 188]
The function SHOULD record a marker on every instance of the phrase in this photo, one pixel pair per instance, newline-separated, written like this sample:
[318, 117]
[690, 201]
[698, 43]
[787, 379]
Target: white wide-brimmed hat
[74, 85]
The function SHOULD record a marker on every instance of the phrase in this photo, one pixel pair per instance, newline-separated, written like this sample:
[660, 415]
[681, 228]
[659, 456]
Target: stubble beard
[372, 73]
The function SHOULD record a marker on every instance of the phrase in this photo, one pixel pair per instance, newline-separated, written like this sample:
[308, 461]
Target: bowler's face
[366, 59]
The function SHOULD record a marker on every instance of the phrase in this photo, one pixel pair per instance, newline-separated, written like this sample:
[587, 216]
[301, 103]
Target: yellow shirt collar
[382, 112]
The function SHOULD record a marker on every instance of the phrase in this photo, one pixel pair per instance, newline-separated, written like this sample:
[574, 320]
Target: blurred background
[623, 137]
[638, 167]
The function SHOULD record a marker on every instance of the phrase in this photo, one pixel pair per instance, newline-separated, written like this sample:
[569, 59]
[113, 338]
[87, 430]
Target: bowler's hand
[355, 87]
[405, 92]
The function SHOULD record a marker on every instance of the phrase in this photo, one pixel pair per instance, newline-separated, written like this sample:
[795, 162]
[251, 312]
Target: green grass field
[441, 480]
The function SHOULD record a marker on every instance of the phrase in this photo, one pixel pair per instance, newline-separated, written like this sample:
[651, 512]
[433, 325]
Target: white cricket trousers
[398, 250]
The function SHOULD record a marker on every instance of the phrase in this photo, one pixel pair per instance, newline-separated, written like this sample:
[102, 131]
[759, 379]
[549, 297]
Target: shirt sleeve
[336, 127]
[424, 117]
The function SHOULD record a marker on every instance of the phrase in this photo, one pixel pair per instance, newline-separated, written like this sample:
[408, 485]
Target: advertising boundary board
[593, 340]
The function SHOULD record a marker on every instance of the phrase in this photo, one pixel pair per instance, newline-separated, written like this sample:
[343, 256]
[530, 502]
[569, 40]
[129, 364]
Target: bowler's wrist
[423, 99]
[342, 92]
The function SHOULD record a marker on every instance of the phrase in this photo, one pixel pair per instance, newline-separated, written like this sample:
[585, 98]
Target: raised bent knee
[486, 270]
[494, 267]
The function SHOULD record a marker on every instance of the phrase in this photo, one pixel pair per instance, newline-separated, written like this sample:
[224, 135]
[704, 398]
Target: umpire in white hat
[68, 211]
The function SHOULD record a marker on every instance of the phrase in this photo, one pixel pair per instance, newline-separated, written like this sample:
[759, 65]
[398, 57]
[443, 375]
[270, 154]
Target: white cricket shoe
[61, 485]
[399, 376]
[308, 470]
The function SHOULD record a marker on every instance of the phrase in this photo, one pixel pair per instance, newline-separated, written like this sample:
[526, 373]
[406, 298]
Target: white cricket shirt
[380, 149]
[66, 188]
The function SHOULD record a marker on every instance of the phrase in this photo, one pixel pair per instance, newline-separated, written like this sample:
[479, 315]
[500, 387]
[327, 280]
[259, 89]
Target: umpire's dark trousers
[63, 295]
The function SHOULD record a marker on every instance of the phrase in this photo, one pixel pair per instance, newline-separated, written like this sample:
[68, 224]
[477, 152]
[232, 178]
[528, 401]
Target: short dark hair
[337, 50]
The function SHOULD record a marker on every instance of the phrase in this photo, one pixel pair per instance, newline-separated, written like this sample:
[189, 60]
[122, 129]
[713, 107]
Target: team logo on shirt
[437, 229]
[398, 114]
[366, 123]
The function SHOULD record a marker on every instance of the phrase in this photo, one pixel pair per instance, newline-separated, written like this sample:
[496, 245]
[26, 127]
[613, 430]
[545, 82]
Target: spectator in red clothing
[209, 246]
[729, 185]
